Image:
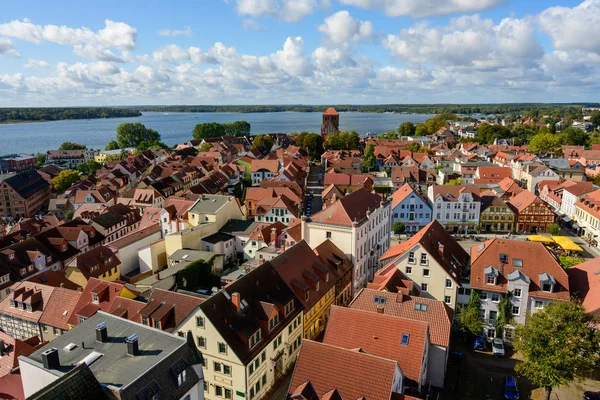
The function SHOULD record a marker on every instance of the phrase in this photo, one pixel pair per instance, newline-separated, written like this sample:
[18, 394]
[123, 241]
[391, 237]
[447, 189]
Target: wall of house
[413, 218]
[438, 357]
[129, 254]
[49, 333]
[314, 319]
[36, 377]
[153, 257]
[17, 327]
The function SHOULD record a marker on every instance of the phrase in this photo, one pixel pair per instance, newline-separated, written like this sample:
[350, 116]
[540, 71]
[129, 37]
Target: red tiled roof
[30, 293]
[108, 292]
[127, 308]
[13, 348]
[402, 193]
[585, 284]
[350, 208]
[330, 111]
[354, 374]
[11, 387]
[451, 193]
[182, 305]
[380, 335]
[269, 165]
[60, 308]
[438, 315]
[536, 260]
[523, 200]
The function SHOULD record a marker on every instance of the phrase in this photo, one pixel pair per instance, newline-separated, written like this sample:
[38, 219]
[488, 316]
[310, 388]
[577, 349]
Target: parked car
[498, 347]
[591, 395]
[479, 343]
[511, 389]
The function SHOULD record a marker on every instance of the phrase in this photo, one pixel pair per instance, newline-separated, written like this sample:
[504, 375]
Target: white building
[359, 224]
[457, 208]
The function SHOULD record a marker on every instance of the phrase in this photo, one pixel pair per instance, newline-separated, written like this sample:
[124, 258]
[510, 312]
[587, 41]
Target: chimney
[235, 299]
[50, 358]
[133, 348]
[101, 332]
[261, 261]
[441, 247]
[380, 309]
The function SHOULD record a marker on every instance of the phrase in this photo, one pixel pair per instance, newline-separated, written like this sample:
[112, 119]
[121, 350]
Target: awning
[539, 238]
[566, 219]
[566, 243]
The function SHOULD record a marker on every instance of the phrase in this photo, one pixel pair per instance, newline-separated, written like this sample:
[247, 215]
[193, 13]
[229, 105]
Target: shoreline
[62, 119]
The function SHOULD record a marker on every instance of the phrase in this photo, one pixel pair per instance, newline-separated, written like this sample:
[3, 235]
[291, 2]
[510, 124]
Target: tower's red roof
[330, 111]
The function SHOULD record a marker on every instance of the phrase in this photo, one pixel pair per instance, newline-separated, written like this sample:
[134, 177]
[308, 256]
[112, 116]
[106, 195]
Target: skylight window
[405, 338]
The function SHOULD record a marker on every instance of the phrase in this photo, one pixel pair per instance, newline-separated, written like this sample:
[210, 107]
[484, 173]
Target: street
[313, 190]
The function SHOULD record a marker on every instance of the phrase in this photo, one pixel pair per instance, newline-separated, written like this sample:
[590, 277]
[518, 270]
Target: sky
[132, 52]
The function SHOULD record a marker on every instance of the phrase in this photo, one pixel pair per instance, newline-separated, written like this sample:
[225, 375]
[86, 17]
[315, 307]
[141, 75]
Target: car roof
[511, 381]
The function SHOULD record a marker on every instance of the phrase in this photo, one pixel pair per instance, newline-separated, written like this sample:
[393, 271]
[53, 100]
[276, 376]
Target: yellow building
[105, 155]
[100, 263]
[496, 216]
[249, 334]
[313, 282]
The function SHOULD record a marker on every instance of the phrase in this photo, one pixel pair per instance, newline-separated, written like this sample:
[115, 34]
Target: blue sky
[298, 51]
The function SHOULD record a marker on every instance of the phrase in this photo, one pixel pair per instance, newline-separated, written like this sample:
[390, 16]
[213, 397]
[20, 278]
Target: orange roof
[402, 193]
[438, 315]
[327, 367]
[60, 307]
[380, 335]
[13, 348]
[331, 111]
[269, 165]
[350, 208]
[535, 259]
[523, 200]
[585, 284]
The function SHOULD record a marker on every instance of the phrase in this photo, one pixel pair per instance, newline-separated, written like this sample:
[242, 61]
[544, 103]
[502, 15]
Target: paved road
[313, 190]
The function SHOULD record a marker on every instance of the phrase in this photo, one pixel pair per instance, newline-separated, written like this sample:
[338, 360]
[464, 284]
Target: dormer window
[11, 256]
[491, 275]
[306, 295]
[64, 247]
[317, 286]
[23, 271]
[289, 307]
[547, 282]
[95, 298]
[254, 339]
[518, 262]
[12, 303]
[273, 322]
[327, 277]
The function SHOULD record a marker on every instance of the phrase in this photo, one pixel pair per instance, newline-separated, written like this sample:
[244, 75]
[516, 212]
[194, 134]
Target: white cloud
[286, 10]
[341, 27]
[173, 53]
[97, 53]
[575, 28]
[33, 63]
[292, 59]
[251, 24]
[186, 31]
[6, 49]
[422, 8]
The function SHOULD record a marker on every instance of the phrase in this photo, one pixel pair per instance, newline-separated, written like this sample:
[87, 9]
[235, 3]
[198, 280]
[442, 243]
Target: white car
[498, 347]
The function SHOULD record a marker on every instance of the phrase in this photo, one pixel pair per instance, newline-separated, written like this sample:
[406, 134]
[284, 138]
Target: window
[228, 393]
[448, 283]
[180, 334]
[328, 235]
[515, 310]
[447, 299]
[409, 270]
[517, 292]
[483, 296]
[95, 298]
[222, 348]
[263, 356]
[495, 297]
[420, 307]
[200, 322]
[423, 259]
[219, 391]
[217, 366]
[517, 262]
[181, 378]
[490, 280]
[539, 304]
[503, 257]
[201, 342]
[547, 287]
[226, 369]
[424, 287]
[273, 322]
[405, 338]
[411, 257]
[493, 315]
[306, 296]
[426, 272]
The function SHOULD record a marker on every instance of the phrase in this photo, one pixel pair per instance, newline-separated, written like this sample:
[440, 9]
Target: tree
[204, 147]
[72, 146]
[208, 130]
[414, 147]
[151, 144]
[568, 261]
[398, 228]
[574, 137]
[368, 159]
[263, 140]
[64, 180]
[237, 128]
[112, 145]
[406, 129]
[40, 159]
[544, 143]
[455, 182]
[69, 215]
[314, 146]
[504, 313]
[558, 345]
[197, 274]
[468, 318]
[595, 119]
[131, 134]
[89, 168]
[421, 130]
[553, 229]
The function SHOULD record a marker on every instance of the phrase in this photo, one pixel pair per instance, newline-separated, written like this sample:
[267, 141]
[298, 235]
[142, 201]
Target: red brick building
[24, 194]
[331, 122]
[533, 214]
[17, 162]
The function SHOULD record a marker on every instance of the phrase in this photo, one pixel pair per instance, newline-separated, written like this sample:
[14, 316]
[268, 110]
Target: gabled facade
[249, 334]
[457, 208]
[525, 271]
[533, 214]
[410, 208]
[433, 260]
[496, 215]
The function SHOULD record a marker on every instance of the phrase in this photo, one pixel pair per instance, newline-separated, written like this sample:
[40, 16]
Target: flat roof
[114, 367]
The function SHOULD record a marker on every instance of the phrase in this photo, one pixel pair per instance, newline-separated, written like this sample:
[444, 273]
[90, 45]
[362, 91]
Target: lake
[177, 128]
